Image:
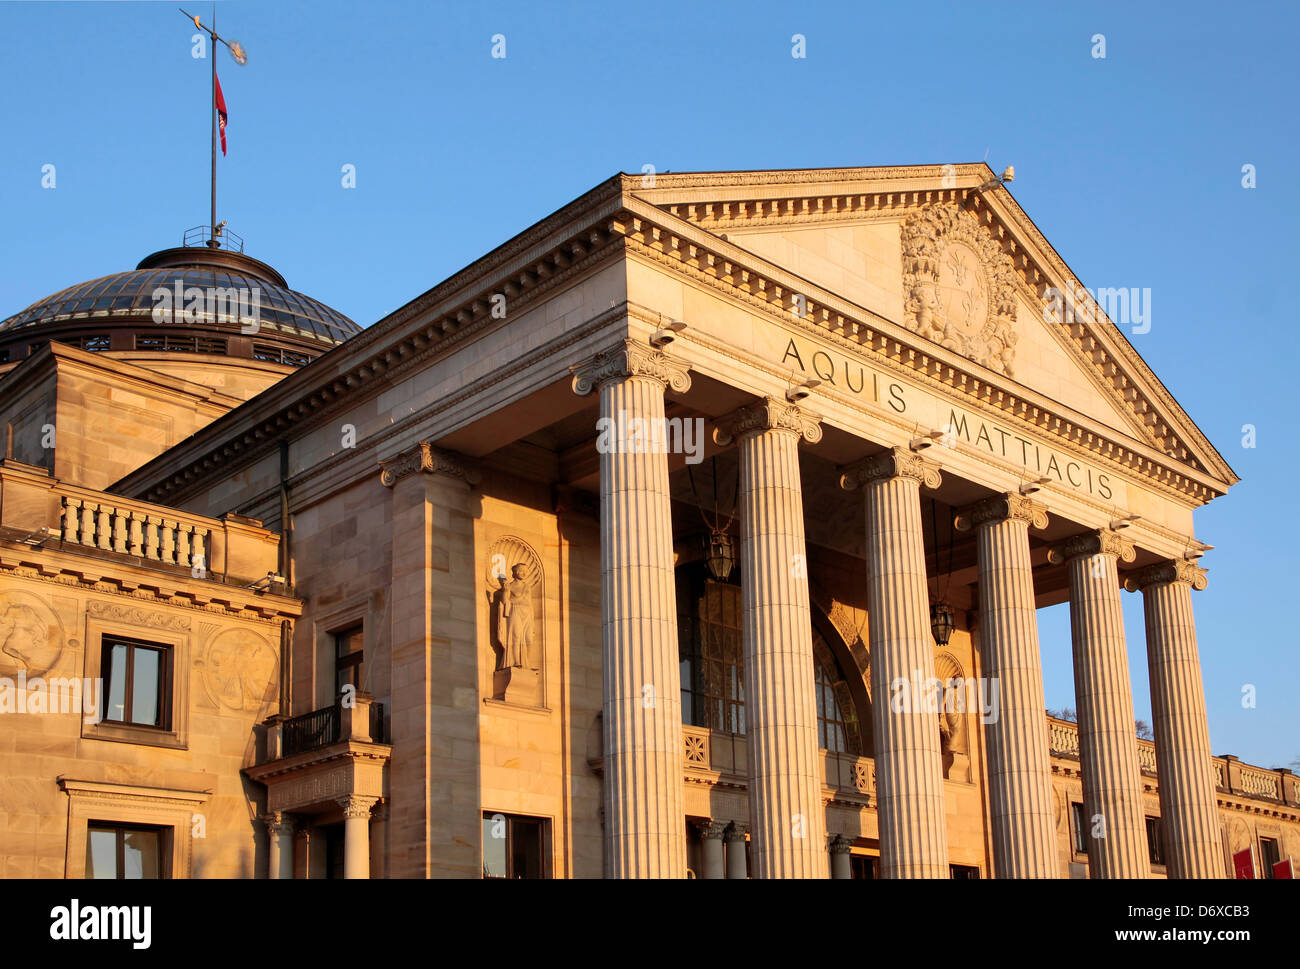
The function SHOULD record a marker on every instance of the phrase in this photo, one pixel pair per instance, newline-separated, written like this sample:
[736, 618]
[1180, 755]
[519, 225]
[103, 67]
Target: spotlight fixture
[1008, 175]
[798, 390]
[1196, 550]
[1124, 521]
[666, 333]
[37, 538]
[1030, 487]
[265, 582]
[920, 441]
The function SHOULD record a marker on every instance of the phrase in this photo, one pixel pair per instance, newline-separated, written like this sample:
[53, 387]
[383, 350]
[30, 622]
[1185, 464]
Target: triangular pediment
[945, 252]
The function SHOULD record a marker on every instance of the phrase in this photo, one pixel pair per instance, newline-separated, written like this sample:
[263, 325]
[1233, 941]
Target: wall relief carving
[959, 286]
[240, 670]
[31, 635]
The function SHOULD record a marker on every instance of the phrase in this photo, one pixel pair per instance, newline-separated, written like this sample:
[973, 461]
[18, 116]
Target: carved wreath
[958, 286]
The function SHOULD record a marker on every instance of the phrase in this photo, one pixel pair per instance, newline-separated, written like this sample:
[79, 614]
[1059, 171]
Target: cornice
[180, 592]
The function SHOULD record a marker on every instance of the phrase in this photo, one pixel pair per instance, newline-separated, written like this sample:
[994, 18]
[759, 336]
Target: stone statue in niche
[514, 620]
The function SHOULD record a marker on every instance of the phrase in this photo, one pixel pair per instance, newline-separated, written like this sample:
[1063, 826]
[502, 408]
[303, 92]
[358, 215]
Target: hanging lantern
[942, 622]
[721, 556]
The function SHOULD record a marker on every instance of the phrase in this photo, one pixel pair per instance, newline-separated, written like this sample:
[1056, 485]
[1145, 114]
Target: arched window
[711, 663]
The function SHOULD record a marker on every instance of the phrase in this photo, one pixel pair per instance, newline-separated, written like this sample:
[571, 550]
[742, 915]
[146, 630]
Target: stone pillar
[279, 828]
[785, 775]
[1188, 804]
[433, 783]
[711, 854]
[645, 829]
[1023, 810]
[356, 835]
[839, 847]
[909, 769]
[737, 864]
[1108, 757]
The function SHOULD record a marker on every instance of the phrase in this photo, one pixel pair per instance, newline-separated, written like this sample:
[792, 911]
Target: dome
[188, 299]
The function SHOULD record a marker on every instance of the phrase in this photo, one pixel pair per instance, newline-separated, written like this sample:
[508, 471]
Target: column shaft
[737, 863]
[1023, 815]
[1188, 804]
[356, 836]
[909, 771]
[785, 774]
[1108, 758]
[644, 817]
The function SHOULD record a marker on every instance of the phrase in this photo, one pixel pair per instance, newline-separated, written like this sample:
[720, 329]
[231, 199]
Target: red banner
[1284, 869]
[1243, 864]
[221, 112]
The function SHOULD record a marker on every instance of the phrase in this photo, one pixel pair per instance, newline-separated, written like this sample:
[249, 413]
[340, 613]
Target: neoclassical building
[698, 530]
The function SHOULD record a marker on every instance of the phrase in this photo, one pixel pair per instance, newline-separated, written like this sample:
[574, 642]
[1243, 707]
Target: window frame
[164, 833]
[1078, 833]
[543, 825]
[1265, 864]
[1155, 846]
[166, 676]
[164, 630]
[354, 660]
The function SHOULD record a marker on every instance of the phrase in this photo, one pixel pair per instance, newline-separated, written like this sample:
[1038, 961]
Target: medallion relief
[959, 286]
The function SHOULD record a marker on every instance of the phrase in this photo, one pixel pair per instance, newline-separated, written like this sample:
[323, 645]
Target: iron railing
[311, 731]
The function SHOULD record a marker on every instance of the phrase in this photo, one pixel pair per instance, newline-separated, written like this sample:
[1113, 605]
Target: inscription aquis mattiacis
[933, 413]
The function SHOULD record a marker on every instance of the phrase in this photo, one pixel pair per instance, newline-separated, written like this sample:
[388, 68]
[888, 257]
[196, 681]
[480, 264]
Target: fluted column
[645, 829]
[909, 770]
[1108, 758]
[1188, 804]
[1023, 811]
[737, 863]
[785, 778]
[711, 855]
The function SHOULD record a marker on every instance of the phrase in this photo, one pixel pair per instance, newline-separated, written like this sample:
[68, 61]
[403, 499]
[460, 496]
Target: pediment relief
[959, 287]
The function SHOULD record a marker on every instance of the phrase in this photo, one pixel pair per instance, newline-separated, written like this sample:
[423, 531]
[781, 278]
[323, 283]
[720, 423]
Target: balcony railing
[133, 530]
[311, 731]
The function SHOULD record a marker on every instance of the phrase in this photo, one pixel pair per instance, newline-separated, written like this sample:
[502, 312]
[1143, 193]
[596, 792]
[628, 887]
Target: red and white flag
[221, 114]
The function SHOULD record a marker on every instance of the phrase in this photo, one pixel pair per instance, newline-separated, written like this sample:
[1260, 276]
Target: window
[1268, 856]
[514, 847]
[712, 667]
[125, 851]
[964, 871]
[1156, 841]
[1080, 828]
[137, 679]
[349, 660]
[711, 662]
[864, 866]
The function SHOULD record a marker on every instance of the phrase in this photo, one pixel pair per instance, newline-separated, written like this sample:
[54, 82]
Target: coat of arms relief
[958, 286]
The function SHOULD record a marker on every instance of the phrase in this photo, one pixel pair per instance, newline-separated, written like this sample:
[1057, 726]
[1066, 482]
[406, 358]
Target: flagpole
[213, 242]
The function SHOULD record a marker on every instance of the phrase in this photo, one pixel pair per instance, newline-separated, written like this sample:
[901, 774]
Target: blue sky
[1130, 165]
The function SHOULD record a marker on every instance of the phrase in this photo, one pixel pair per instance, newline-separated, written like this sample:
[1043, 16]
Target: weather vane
[218, 108]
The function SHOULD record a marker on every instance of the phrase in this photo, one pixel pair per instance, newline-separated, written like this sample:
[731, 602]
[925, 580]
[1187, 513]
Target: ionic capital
[896, 462]
[1170, 570]
[427, 459]
[356, 806]
[710, 829]
[1100, 541]
[630, 359]
[768, 414]
[1000, 508]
